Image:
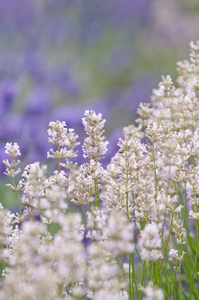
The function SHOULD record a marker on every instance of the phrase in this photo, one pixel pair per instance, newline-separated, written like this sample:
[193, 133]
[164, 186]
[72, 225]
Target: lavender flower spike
[12, 150]
[94, 145]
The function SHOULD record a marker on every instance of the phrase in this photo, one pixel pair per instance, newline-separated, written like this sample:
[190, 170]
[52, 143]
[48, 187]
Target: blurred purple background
[61, 57]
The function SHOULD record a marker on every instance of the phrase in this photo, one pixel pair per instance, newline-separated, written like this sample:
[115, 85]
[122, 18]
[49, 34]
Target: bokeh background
[61, 57]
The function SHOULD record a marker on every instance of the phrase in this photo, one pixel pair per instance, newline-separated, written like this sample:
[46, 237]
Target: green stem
[134, 278]
[95, 185]
[174, 278]
[67, 195]
[194, 266]
[90, 197]
[98, 197]
[156, 181]
[142, 282]
[31, 216]
[127, 205]
[194, 161]
[185, 206]
[84, 212]
[159, 264]
[58, 160]
[169, 279]
[130, 292]
[180, 285]
[142, 263]
[67, 290]
[18, 202]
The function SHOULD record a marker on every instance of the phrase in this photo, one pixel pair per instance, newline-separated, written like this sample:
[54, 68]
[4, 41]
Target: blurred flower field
[102, 200]
[127, 231]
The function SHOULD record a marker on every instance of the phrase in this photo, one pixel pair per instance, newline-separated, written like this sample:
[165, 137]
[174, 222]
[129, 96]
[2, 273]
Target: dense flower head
[57, 133]
[150, 243]
[33, 181]
[118, 234]
[92, 122]
[12, 150]
[82, 188]
[94, 145]
[151, 292]
[96, 222]
[65, 139]
[174, 255]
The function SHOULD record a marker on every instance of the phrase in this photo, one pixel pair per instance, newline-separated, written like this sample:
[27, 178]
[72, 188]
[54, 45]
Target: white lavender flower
[65, 139]
[34, 180]
[96, 222]
[94, 145]
[53, 203]
[152, 292]
[82, 189]
[174, 256]
[150, 243]
[118, 234]
[12, 150]
[57, 133]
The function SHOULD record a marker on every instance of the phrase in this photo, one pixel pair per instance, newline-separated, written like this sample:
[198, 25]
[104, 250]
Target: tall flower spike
[12, 150]
[57, 133]
[65, 139]
[94, 145]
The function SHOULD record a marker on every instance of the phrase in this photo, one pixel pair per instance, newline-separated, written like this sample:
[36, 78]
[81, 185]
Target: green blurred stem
[95, 186]
[67, 290]
[90, 197]
[174, 278]
[159, 264]
[98, 196]
[156, 180]
[127, 208]
[84, 212]
[127, 205]
[185, 206]
[134, 278]
[195, 261]
[130, 292]
[143, 274]
[67, 195]
[18, 202]
[180, 284]
[58, 160]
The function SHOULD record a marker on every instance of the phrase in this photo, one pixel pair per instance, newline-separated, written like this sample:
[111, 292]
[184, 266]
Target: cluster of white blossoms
[94, 145]
[13, 151]
[150, 243]
[65, 139]
[174, 256]
[129, 231]
[151, 292]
